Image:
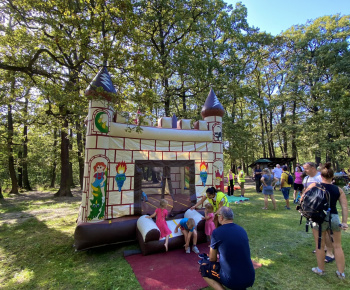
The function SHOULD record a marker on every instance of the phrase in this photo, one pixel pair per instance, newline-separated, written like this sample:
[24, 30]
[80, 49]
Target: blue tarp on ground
[232, 198]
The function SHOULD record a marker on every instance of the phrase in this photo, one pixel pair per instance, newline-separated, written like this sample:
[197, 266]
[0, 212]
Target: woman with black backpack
[334, 226]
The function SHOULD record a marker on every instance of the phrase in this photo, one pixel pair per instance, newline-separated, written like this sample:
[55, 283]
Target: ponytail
[326, 171]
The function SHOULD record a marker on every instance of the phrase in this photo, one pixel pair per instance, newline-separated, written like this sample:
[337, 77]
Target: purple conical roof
[212, 106]
[174, 121]
[101, 80]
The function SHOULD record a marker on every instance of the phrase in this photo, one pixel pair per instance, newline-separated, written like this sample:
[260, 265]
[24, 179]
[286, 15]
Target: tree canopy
[284, 96]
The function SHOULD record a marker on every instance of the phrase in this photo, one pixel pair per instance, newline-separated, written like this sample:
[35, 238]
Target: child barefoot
[161, 214]
[209, 220]
[188, 228]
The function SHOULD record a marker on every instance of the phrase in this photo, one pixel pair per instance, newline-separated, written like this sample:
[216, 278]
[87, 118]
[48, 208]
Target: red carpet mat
[174, 270]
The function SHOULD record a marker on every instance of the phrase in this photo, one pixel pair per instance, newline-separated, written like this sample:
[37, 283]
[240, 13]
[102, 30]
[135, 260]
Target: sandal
[340, 275]
[318, 271]
[328, 259]
[264, 208]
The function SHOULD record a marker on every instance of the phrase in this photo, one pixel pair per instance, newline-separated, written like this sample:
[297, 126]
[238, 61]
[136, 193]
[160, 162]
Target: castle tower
[212, 112]
[96, 165]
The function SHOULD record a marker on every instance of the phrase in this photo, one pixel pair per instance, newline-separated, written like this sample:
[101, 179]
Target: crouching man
[235, 269]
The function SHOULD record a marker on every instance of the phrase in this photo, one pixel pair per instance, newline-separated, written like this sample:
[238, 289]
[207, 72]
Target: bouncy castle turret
[212, 112]
[96, 168]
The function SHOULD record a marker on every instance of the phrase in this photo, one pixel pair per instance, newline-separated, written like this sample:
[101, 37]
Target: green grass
[36, 250]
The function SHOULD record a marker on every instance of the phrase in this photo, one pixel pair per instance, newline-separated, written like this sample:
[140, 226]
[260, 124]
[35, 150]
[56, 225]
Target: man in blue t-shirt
[235, 269]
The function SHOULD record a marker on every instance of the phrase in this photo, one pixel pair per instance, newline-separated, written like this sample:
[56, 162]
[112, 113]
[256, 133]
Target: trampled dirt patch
[59, 206]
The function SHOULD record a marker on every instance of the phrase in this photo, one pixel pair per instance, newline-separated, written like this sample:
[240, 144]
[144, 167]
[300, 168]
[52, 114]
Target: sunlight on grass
[24, 276]
[36, 251]
[265, 262]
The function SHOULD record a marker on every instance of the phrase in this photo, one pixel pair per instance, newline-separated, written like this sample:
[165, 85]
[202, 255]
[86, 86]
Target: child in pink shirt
[209, 220]
[161, 223]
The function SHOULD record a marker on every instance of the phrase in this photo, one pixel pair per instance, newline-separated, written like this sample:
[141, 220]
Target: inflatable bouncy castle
[127, 172]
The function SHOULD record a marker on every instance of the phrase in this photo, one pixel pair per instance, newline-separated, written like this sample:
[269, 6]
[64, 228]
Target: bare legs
[329, 246]
[185, 233]
[287, 203]
[166, 243]
[320, 254]
[338, 251]
[265, 201]
[272, 197]
[212, 283]
[187, 236]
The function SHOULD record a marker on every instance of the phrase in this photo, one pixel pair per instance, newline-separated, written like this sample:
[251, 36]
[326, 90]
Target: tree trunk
[26, 183]
[53, 169]
[1, 196]
[183, 96]
[65, 170]
[317, 157]
[271, 136]
[11, 160]
[262, 131]
[164, 63]
[70, 163]
[268, 136]
[80, 154]
[284, 132]
[20, 169]
[53, 174]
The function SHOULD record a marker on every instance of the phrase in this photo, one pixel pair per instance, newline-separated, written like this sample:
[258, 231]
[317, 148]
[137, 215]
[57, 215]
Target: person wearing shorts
[187, 226]
[335, 222]
[285, 186]
[336, 194]
[235, 269]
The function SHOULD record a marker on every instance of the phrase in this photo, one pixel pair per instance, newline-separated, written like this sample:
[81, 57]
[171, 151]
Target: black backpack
[290, 179]
[315, 207]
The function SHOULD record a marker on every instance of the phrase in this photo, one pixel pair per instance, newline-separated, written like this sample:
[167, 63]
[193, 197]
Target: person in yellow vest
[285, 186]
[217, 198]
[241, 179]
[230, 182]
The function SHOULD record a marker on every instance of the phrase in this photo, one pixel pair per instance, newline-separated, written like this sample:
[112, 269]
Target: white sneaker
[188, 250]
[195, 249]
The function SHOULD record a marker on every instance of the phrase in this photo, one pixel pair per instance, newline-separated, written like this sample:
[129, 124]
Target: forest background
[284, 95]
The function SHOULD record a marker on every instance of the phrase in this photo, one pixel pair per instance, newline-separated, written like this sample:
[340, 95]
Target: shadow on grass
[36, 254]
[34, 199]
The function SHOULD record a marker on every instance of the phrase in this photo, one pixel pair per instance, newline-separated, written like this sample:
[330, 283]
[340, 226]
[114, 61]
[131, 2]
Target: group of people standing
[235, 269]
[267, 180]
[258, 173]
[306, 177]
[331, 228]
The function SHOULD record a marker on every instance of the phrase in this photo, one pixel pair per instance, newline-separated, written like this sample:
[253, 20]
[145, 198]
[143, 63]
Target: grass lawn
[36, 248]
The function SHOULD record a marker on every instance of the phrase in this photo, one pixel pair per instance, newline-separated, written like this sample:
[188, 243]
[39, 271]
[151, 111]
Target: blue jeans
[285, 191]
